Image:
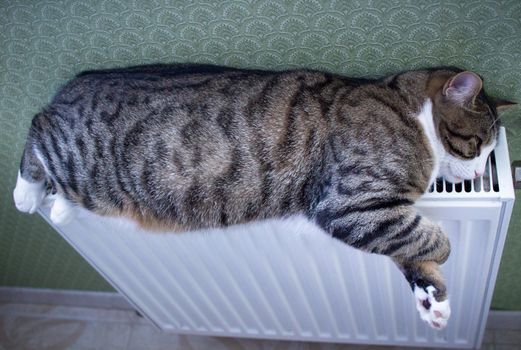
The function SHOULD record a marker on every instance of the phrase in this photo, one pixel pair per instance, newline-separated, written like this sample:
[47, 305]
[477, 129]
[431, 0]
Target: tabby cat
[184, 147]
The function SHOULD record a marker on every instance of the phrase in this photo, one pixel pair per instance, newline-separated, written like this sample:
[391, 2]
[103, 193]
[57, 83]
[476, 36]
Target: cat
[187, 146]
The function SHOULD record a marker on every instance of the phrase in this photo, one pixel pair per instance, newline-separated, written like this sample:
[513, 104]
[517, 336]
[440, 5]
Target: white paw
[62, 211]
[28, 195]
[435, 313]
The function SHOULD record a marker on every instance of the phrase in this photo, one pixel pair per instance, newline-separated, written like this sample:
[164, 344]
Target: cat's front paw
[435, 313]
[28, 196]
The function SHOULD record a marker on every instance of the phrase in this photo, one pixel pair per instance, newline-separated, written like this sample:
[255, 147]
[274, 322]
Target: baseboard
[102, 300]
[510, 320]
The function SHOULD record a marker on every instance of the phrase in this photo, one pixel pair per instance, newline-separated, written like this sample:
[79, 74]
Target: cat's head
[467, 125]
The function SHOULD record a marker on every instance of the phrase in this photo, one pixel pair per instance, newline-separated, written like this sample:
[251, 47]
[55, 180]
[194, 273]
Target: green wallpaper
[44, 43]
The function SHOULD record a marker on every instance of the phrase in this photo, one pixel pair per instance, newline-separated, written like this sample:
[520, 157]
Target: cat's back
[207, 145]
[136, 86]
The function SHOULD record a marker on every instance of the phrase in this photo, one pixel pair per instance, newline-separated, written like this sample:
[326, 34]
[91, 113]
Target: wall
[44, 43]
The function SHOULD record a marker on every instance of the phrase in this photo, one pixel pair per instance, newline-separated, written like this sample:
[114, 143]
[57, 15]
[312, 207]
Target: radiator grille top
[487, 183]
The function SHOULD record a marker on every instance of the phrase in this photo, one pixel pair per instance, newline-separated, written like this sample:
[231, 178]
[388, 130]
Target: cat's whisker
[493, 123]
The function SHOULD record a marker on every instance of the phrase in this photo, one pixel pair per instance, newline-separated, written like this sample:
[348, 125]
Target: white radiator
[288, 280]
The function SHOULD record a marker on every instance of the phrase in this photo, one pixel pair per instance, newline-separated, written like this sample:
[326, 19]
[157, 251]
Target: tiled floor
[31, 326]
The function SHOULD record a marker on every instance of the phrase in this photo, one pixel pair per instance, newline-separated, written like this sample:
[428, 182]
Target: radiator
[286, 279]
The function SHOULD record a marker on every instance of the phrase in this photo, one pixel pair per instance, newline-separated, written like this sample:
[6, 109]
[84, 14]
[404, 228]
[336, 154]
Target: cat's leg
[392, 227]
[62, 211]
[419, 258]
[30, 190]
[429, 291]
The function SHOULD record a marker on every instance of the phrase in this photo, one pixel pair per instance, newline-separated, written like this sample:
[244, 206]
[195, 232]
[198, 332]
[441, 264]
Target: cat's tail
[30, 189]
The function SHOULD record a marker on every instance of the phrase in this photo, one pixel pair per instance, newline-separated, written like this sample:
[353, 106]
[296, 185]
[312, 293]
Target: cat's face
[467, 126]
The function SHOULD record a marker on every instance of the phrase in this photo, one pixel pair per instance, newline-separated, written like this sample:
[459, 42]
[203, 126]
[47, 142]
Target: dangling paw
[62, 211]
[435, 313]
[28, 196]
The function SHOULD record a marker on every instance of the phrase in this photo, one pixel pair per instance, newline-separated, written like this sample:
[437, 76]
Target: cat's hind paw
[435, 313]
[28, 196]
[62, 211]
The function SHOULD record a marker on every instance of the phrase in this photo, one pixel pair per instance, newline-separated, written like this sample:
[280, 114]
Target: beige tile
[267, 344]
[100, 335]
[146, 337]
[217, 343]
[194, 342]
[332, 346]
[507, 337]
[282, 345]
[25, 326]
[26, 332]
[488, 337]
[487, 346]
[20, 332]
[260, 344]
[507, 347]
[335, 346]
[322, 346]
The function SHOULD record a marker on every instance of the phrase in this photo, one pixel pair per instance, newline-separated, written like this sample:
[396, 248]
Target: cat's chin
[453, 179]
[457, 180]
[450, 178]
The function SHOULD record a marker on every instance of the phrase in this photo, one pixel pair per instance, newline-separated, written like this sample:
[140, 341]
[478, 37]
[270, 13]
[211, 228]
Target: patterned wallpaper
[44, 43]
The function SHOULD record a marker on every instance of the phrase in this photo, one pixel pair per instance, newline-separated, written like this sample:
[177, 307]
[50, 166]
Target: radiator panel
[287, 279]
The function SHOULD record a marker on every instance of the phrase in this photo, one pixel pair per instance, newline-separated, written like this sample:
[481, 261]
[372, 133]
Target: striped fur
[194, 146]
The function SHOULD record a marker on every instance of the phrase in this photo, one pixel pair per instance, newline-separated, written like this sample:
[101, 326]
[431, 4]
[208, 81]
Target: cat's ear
[502, 105]
[463, 87]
